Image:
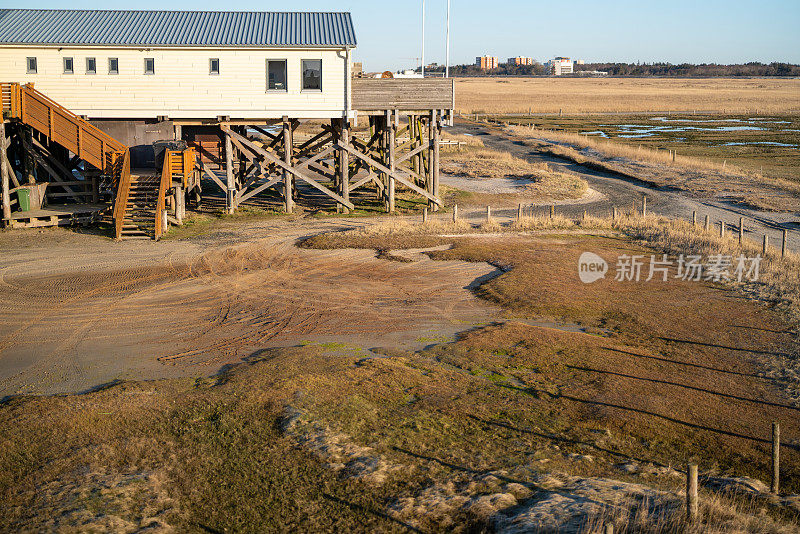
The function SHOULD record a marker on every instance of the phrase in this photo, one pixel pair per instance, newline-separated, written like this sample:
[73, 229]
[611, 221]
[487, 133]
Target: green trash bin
[24, 196]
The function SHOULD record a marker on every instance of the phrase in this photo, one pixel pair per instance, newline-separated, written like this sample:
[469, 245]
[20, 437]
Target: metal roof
[175, 28]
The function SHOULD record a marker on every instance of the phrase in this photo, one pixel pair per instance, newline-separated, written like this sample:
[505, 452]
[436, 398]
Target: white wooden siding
[181, 87]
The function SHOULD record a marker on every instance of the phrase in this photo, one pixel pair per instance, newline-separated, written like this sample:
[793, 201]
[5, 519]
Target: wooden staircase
[87, 142]
[140, 215]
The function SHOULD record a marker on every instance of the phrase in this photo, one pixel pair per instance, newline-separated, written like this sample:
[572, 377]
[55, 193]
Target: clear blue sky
[694, 31]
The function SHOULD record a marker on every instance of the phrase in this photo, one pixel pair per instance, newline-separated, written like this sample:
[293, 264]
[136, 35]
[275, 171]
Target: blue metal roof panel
[175, 28]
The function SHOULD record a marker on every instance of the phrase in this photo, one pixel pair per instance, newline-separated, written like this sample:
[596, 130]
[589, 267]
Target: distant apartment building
[580, 62]
[520, 60]
[487, 62]
[559, 66]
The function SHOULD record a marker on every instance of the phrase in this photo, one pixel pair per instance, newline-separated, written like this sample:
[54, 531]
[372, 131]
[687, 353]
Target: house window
[31, 63]
[312, 74]
[276, 75]
[69, 65]
[91, 65]
[113, 65]
[213, 65]
[149, 65]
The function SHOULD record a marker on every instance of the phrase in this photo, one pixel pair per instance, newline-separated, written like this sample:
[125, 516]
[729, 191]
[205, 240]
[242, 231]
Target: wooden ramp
[30, 107]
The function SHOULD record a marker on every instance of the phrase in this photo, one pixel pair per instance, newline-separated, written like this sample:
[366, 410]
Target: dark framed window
[91, 65]
[31, 65]
[312, 74]
[69, 65]
[213, 65]
[276, 75]
[149, 65]
[113, 65]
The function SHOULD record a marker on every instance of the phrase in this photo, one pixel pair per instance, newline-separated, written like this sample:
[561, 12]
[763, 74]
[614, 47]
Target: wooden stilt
[4, 172]
[180, 203]
[28, 163]
[287, 159]
[436, 121]
[230, 198]
[344, 163]
[412, 136]
[391, 132]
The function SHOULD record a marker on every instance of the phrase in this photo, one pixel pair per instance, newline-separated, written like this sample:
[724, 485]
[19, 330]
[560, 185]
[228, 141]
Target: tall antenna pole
[447, 59]
[423, 38]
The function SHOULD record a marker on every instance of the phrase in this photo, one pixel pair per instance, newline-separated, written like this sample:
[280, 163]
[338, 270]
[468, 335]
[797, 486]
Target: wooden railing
[88, 142]
[166, 181]
[123, 190]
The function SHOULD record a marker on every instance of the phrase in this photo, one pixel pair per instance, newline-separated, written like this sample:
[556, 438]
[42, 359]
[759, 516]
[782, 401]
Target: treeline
[502, 70]
[688, 69]
[634, 69]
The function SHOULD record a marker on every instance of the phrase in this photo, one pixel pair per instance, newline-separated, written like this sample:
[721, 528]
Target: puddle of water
[765, 143]
[598, 132]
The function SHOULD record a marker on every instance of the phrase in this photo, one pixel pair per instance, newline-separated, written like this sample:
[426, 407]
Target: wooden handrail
[123, 189]
[36, 109]
[166, 180]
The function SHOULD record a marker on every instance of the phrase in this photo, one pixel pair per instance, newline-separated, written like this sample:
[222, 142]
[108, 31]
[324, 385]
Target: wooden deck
[66, 215]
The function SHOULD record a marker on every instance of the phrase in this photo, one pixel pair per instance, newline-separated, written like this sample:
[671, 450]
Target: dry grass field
[612, 383]
[627, 95]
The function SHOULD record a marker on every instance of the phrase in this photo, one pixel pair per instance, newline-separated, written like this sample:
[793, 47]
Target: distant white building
[559, 66]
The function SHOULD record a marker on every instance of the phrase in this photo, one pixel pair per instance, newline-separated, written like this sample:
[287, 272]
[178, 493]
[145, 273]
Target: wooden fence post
[644, 206]
[519, 211]
[488, 213]
[614, 213]
[776, 457]
[722, 229]
[765, 244]
[455, 212]
[694, 218]
[552, 211]
[741, 230]
[783, 244]
[691, 492]
[424, 215]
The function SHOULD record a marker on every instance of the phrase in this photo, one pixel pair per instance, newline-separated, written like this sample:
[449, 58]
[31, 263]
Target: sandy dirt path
[80, 311]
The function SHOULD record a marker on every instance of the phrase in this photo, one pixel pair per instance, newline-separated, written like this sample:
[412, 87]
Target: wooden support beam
[397, 175]
[370, 177]
[288, 146]
[436, 124]
[344, 161]
[230, 189]
[39, 159]
[260, 188]
[317, 157]
[290, 169]
[5, 195]
[28, 163]
[213, 176]
[391, 128]
[265, 133]
[407, 156]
